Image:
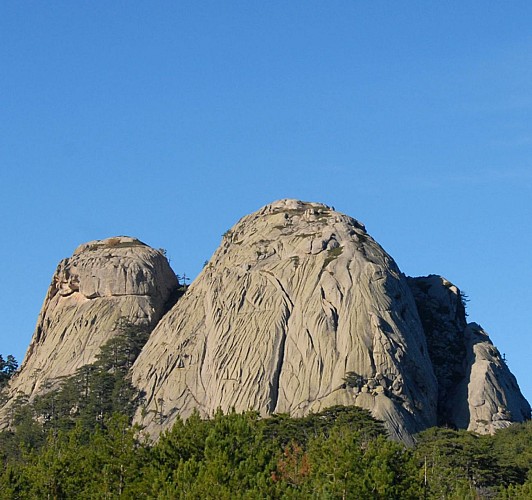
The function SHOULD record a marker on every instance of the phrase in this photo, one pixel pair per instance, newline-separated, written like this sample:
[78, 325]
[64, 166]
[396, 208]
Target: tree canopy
[7, 368]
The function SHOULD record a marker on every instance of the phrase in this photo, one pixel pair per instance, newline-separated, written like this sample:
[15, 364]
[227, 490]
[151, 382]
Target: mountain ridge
[298, 309]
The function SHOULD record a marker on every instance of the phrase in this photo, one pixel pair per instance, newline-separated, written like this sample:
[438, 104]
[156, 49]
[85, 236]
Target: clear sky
[170, 120]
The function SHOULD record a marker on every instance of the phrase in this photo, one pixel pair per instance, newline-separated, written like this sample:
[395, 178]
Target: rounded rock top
[293, 204]
[113, 242]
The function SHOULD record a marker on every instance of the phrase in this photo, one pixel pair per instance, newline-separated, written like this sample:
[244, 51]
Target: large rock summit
[298, 309]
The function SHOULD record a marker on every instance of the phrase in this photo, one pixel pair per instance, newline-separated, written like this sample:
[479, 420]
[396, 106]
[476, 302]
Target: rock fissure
[274, 391]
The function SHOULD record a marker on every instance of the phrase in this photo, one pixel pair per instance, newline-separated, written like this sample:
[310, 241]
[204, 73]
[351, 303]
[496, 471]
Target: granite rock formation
[103, 282]
[298, 309]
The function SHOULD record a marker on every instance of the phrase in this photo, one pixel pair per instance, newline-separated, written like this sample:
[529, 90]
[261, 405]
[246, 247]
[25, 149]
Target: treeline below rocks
[340, 453]
[61, 448]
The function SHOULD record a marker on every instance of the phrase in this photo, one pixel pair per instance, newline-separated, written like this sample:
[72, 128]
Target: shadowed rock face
[91, 291]
[443, 316]
[477, 391]
[299, 309]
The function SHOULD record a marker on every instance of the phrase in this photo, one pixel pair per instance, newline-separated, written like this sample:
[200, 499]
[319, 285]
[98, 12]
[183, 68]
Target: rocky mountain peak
[101, 284]
[298, 309]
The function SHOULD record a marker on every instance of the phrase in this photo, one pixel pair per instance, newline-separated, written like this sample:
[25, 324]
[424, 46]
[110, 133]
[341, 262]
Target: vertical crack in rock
[274, 385]
[280, 350]
[277, 283]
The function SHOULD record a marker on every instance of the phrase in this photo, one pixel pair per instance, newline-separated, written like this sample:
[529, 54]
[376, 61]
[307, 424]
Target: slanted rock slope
[103, 282]
[298, 309]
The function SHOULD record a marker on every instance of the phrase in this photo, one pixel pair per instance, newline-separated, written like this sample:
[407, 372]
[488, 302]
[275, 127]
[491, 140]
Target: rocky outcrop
[441, 309]
[493, 396]
[299, 309]
[103, 282]
[476, 390]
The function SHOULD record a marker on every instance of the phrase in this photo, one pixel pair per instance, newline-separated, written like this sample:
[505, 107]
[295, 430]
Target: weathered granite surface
[298, 309]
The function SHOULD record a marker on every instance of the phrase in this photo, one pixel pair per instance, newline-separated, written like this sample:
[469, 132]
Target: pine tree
[7, 368]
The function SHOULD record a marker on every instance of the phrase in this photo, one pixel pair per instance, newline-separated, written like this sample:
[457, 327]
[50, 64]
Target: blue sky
[169, 121]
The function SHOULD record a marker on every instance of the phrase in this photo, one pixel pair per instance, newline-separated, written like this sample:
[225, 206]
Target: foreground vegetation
[340, 453]
[77, 441]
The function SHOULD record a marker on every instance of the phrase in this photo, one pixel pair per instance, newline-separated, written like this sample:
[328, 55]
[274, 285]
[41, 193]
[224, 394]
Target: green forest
[78, 441]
